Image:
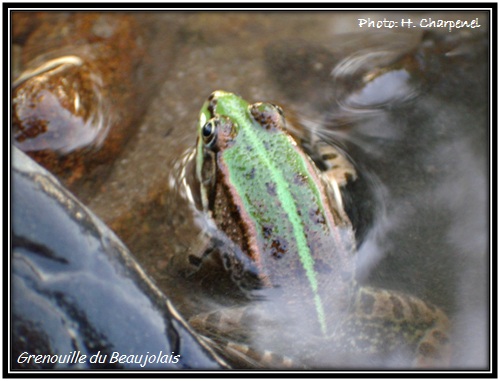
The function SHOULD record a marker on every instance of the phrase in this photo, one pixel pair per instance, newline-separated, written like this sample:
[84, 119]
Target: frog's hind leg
[403, 322]
[224, 330]
[434, 347]
[240, 355]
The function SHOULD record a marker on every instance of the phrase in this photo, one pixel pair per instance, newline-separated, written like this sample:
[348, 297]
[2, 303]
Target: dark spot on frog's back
[316, 216]
[299, 179]
[269, 123]
[271, 188]
[278, 247]
[248, 148]
[320, 266]
[258, 115]
[250, 175]
[267, 231]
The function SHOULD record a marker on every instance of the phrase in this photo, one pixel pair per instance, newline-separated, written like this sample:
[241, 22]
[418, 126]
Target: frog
[281, 232]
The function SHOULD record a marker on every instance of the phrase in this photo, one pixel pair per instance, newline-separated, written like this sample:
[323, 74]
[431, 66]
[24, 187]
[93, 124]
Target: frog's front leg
[335, 164]
[224, 329]
[329, 159]
[403, 322]
[335, 167]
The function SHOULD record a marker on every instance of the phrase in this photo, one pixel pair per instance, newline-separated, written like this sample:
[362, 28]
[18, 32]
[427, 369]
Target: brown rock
[75, 103]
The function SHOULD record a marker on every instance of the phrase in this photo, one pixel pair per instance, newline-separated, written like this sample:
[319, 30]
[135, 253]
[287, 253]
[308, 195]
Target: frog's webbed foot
[222, 330]
[403, 323]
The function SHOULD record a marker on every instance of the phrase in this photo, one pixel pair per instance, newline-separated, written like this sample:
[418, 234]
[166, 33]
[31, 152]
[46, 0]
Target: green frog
[280, 229]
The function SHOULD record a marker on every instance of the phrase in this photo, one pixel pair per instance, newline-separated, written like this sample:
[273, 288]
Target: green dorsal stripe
[286, 199]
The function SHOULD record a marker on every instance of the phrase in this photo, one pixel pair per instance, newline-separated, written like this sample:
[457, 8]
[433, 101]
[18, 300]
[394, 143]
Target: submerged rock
[77, 291]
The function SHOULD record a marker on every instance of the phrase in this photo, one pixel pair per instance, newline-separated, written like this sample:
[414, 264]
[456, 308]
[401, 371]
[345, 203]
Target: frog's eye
[209, 132]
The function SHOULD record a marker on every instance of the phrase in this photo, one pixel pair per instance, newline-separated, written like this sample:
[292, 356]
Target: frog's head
[223, 120]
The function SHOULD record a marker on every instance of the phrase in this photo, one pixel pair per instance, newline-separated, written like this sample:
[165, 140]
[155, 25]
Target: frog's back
[296, 227]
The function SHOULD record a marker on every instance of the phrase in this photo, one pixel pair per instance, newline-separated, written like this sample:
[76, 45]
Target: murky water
[409, 109]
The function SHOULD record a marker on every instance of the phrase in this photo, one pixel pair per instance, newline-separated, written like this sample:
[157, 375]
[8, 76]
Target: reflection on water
[424, 153]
